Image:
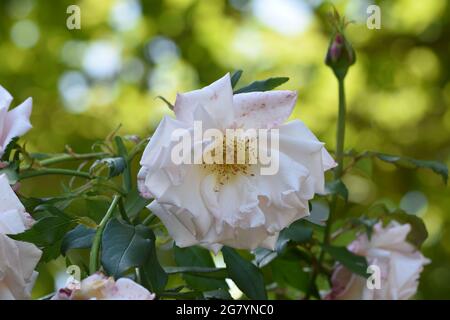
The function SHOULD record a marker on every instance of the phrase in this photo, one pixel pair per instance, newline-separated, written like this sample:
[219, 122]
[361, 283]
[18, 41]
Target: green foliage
[153, 275]
[80, 237]
[48, 233]
[263, 85]
[298, 233]
[337, 187]
[124, 246]
[235, 78]
[409, 163]
[353, 262]
[245, 274]
[401, 108]
[198, 257]
[134, 203]
[290, 273]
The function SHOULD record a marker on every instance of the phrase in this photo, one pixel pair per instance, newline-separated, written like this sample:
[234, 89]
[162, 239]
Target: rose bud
[340, 55]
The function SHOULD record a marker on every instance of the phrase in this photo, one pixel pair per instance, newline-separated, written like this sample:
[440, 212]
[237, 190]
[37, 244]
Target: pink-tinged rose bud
[336, 48]
[340, 55]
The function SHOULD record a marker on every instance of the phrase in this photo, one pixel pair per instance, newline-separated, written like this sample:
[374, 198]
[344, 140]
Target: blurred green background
[86, 82]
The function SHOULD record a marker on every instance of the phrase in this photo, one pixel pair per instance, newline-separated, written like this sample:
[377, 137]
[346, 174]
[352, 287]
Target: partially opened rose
[14, 123]
[238, 204]
[399, 262]
[17, 259]
[101, 287]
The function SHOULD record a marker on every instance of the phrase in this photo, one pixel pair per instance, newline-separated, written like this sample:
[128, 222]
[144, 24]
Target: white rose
[17, 259]
[215, 205]
[399, 262]
[100, 287]
[14, 123]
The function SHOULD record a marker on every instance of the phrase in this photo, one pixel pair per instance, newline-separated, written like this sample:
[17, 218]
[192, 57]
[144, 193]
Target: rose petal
[127, 289]
[269, 109]
[8, 199]
[184, 236]
[217, 99]
[5, 98]
[17, 122]
[17, 263]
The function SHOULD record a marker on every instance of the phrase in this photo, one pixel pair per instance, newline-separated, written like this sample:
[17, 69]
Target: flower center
[231, 157]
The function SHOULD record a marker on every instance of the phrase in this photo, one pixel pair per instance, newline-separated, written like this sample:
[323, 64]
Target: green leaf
[189, 295]
[213, 273]
[245, 274]
[124, 246]
[297, 232]
[365, 166]
[79, 238]
[127, 182]
[45, 231]
[52, 210]
[51, 252]
[196, 257]
[289, 272]
[47, 234]
[96, 208]
[436, 166]
[219, 294]
[134, 203]
[337, 187]
[264, 85]
[410, 163]
[235, 78]
[356, 264]
[153, 275]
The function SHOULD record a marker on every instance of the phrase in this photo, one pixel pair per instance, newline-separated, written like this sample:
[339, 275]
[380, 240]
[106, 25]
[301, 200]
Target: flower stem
[340, 137]
[72, 157]
[53, 171]
[94, 256]
[340, 130]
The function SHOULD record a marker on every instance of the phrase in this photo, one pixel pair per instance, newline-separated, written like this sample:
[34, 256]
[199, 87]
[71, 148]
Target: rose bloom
[400, 265]
[17, 259]
[101, 287]
[14, 123]
[232, 204]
